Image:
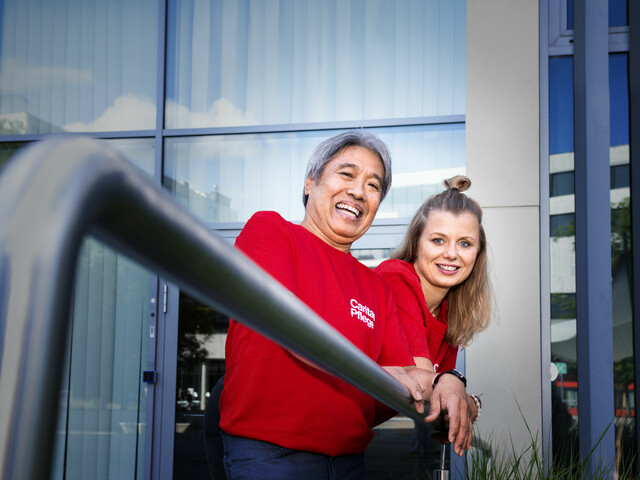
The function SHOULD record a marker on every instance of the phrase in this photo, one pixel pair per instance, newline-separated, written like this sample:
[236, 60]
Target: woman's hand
[450, 399]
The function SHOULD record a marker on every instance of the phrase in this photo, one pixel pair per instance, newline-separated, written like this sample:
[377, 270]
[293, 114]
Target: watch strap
[453, 372]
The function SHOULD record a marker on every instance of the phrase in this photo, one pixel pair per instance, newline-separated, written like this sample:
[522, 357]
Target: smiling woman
[439, 280]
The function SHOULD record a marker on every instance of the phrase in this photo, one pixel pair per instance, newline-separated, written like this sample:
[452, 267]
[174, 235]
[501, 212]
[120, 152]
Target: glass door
[102, 419]
[202, 333]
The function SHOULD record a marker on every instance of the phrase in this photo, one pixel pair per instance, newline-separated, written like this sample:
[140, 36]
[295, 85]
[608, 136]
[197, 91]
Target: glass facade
[248, 63]
[565, 408]
[226, 178]
[77, 66]
[247, 90]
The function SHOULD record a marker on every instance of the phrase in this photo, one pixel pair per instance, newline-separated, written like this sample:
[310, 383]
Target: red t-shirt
[272, 396]
[424, 332]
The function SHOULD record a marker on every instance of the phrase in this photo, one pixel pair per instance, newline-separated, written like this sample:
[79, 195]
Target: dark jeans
[247, 459]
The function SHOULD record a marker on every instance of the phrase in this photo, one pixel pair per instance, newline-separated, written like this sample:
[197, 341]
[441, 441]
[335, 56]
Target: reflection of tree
[197, 324]
[623, 369]
[7, 151]
[563, 305]
[623, 372]
[566, 230]
[620, 231]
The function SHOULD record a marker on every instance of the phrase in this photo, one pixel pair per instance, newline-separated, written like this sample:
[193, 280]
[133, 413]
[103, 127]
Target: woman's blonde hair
[469, 303]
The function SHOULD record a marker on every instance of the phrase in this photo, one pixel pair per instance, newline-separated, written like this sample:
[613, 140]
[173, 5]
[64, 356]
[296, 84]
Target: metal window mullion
[545, 241]
[634, 160]
[593, 234]
[153, 453]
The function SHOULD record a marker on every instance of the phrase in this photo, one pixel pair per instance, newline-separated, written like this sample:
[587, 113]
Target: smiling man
[282, 417]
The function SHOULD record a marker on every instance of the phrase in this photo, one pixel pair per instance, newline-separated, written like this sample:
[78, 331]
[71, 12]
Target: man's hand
[402, 375]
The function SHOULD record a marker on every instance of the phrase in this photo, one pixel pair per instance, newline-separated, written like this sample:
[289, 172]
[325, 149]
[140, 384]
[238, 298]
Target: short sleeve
[265, 239]
[396, 350]
[409, 312]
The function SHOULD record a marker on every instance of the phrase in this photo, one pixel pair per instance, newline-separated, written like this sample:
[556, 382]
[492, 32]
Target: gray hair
[329, 148]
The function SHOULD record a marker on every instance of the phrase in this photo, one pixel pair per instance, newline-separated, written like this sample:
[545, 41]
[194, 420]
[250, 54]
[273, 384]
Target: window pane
[618, 13]
[560, 105]
[244, 63]
[621, 265]
[200, 363]
[620, 176]
[561, 184]
[564, 387]
[102, 413]
[227, 178]
[563, 225]
[71, 67]
[102, 416]
[562, 266]
[139, 151]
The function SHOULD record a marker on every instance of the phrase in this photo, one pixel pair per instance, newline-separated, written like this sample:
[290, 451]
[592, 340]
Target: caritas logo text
[363, 313]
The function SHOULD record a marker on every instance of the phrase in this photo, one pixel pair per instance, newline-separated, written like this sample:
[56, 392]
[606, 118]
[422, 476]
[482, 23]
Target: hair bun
[459, 182]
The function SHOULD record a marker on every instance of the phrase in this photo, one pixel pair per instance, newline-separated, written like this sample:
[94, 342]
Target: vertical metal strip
[593, 234]
[634, 160]
[545, 238]
[152, 437]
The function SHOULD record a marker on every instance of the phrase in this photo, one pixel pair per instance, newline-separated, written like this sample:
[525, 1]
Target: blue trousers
[248, 459]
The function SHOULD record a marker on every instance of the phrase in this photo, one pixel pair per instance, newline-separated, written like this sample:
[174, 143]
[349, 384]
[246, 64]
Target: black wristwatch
[453, 372]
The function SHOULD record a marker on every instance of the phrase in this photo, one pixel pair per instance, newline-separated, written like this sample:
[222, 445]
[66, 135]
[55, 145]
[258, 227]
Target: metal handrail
[59, 190]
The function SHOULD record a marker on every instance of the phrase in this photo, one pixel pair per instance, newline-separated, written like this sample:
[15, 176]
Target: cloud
[17, 76]
[221, 113]
[129, 112]
[133, 112]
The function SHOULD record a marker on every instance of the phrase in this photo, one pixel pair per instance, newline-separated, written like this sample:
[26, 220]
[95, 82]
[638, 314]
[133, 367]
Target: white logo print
[363, 313]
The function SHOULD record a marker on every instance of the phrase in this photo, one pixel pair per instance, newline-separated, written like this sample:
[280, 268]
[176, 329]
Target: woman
[280, 416]
[439, 280]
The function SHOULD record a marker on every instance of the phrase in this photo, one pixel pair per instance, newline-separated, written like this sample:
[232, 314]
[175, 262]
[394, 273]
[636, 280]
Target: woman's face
[447, 249]
[344, 200]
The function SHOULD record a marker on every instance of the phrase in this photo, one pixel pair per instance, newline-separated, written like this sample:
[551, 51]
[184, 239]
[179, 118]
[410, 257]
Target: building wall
[502, 148]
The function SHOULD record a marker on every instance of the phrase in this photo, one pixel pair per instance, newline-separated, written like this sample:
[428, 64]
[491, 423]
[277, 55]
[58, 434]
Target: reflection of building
[16, 120]
[562, 257]
[564, 324]
[211, 207]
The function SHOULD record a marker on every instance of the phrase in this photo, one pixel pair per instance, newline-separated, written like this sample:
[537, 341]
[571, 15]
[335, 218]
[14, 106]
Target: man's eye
[346, 174]
[375, 186]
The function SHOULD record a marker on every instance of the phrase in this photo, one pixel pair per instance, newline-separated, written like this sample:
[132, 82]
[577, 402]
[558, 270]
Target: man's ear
[307, 185]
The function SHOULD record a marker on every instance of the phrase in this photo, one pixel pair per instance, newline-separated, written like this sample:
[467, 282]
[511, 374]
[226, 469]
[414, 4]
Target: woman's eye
[438, 241]
[346, 174]
[375, 186]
